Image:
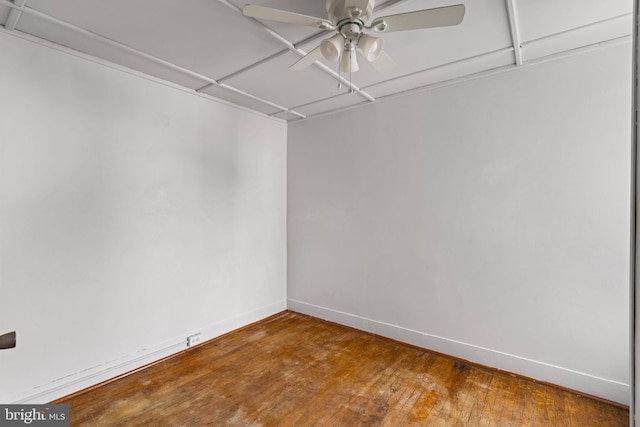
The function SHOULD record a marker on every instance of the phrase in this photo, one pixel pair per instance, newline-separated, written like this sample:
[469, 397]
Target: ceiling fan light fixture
[348, 61]
[370, 46]
[332, 47]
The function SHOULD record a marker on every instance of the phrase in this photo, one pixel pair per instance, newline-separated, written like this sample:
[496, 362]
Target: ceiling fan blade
[362, 4]
[383, 63]
[307, 60]
[270, 14]
[428, 18]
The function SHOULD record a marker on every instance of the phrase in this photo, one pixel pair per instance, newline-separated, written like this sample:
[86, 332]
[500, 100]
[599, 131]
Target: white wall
[487, 219]
[132, 215]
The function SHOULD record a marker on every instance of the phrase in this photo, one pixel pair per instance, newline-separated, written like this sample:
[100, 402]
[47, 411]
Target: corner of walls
[132, 215]
[488, 220]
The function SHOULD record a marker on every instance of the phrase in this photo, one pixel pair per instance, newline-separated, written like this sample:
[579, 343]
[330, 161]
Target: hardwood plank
[295, 370]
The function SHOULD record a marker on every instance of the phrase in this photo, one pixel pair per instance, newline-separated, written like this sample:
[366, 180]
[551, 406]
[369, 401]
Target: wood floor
[295, 370]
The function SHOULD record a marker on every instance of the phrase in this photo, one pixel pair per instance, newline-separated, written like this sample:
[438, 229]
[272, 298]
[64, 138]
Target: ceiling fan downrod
[351, 31]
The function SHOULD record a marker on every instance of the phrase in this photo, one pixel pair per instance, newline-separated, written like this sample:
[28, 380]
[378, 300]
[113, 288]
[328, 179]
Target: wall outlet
[194, 339]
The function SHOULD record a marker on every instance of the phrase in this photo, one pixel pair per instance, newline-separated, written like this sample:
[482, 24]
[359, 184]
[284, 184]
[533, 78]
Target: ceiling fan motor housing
[351, 31]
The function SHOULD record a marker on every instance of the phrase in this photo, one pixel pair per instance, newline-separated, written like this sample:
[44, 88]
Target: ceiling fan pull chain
[339, 80]
[350, 85]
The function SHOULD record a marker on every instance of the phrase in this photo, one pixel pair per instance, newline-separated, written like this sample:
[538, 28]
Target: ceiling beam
[264, 101]
[14, 15]
[515, 32]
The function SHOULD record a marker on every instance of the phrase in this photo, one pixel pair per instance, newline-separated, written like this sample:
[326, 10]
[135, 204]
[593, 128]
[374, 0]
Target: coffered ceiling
[210, 47]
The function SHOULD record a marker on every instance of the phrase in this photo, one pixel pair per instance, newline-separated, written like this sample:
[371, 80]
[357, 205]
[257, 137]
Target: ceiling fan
[349, 19]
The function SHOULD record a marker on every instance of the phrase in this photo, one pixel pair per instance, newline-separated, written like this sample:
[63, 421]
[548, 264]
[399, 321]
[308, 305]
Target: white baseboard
[601, 387]
[88, 377]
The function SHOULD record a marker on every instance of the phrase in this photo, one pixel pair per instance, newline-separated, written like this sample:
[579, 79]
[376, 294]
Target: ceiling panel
[203, 35]
[451, 71]
[69, 38]
[541, 18]
[579, 37]
[274, 81]
[4, 13]
[236, 98]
